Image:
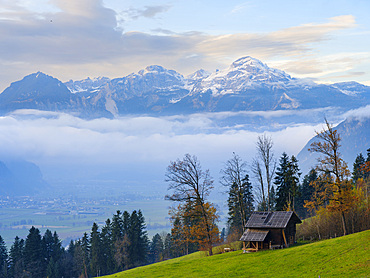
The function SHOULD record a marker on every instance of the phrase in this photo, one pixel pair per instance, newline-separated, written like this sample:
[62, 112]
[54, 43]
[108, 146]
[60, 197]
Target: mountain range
[246, 85]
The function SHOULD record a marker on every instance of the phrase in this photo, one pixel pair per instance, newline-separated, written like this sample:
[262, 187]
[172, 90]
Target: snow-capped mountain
[87, 86]
[244, 73]
[247, 84]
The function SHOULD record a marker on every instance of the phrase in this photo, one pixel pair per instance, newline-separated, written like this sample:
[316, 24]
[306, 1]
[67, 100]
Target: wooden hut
[270, 230]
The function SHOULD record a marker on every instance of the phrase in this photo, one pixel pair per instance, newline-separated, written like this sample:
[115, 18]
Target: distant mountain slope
[355, 134]
[19, 178]
[246, 85]
[346, 256]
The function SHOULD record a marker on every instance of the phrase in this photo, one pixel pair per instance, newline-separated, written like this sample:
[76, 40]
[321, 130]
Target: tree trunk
[344, 224]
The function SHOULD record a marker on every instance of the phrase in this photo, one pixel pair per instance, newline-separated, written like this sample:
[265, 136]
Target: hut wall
[275, 236]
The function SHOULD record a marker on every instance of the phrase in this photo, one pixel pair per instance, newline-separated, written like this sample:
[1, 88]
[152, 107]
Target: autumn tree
[339, 189]
[240, 201]
[191, 186]
[263, 168]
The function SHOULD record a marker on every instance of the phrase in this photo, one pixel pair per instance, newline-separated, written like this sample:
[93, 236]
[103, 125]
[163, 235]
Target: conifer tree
[156, 248]
[34, 258]
[85, 249]
[107, 248]
[306, 190]
[96, 252]
[117, 226]
[138, 239]
[287, 182]
[16, 258]
[358, 171]
[167, 247]
[3, 259]
[240, 203]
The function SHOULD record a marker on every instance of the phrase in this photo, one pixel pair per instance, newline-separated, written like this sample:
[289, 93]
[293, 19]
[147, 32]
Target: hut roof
[273, 219]
[254, 235]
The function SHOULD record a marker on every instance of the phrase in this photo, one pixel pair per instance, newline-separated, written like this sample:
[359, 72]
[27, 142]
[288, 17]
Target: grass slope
[347, 256]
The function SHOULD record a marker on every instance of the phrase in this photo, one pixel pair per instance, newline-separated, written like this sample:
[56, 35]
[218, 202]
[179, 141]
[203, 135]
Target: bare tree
[263, 167]
[233, 173]
[191, 185]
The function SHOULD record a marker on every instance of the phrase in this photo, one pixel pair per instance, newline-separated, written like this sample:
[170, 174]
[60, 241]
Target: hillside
[347, 256]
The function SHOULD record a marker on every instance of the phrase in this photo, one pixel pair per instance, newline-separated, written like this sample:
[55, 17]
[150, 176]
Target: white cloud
[80, 38]
[44, 136]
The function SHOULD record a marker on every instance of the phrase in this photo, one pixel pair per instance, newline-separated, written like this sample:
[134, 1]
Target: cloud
[80, 38]
[327, 67]
[359, 114]
[56, 137]
[147, 11]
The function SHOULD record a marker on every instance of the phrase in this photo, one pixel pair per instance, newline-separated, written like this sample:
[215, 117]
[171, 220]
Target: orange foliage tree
[190, 187]
[337, 189]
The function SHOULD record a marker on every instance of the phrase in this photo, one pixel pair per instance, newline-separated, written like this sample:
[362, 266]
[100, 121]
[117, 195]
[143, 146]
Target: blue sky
[328, 41]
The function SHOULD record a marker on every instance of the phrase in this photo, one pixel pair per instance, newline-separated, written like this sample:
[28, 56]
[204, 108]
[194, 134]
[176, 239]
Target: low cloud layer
[45, 137]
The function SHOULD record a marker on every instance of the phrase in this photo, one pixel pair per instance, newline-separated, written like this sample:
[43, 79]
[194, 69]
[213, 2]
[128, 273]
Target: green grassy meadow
[347, 256]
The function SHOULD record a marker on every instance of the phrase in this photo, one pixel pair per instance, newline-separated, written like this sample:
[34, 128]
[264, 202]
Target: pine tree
[358, 172]
[306, 190]
[156, 248]
[48, 244]
[96, 252]
[117, 227]
[85, 248]
[178, 239]
[52, 270]
[240, 202]
[167, 247]
[16, 258]
[138, 239]
[107, 248]
[34, 258]
[3, 259]
[287, 182]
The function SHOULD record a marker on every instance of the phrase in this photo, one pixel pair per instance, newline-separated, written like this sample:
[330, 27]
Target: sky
[328, 41]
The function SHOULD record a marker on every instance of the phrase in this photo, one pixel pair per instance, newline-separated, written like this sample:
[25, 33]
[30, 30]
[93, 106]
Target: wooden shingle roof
[273, 219]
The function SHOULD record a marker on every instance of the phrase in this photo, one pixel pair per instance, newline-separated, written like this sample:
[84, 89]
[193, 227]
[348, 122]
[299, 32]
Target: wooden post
[244, 245]
[286, 245]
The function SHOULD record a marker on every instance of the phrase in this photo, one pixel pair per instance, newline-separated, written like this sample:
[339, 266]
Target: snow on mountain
[198, 75]
[246, 85]
[86, 85]
[246, 72]
[351, 88]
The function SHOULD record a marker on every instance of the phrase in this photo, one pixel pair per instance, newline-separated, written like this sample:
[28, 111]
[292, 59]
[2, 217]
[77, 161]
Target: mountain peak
[199, 74]
[248, 61]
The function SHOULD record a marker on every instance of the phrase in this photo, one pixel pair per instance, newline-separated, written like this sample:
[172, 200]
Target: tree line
[122, 243]
[330, 195]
